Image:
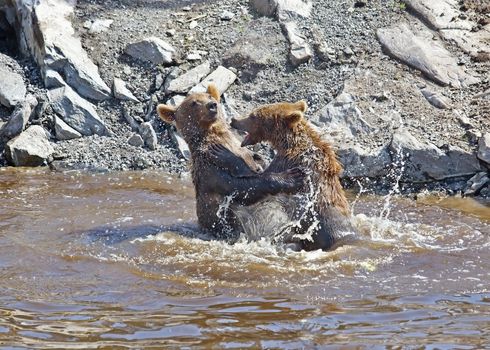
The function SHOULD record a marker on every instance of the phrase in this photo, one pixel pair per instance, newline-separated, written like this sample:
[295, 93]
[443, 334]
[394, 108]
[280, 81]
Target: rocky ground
[401, 88]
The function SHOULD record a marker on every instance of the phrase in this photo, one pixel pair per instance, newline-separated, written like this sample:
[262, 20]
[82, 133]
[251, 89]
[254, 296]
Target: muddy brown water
[115, 261]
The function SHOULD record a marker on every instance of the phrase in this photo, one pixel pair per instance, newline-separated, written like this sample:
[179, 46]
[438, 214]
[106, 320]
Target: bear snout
[212, 106]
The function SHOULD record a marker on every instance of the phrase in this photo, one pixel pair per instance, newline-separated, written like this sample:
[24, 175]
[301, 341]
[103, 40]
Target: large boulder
[17, 120]
[31, 148]
[422, 53]
[45, 32]
[484, 149]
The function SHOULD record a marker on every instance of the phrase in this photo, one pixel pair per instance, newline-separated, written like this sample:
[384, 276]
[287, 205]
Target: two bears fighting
[302, 181]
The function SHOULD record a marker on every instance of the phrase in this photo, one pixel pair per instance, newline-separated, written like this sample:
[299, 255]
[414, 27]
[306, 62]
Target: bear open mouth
[247, 140]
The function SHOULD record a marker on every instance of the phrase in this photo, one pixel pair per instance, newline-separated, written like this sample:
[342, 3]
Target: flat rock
[59, 50]
[183, 83]
[152, 49]
[76, 111]
[31, 148]
[149, 135]
[18, 119]
[53, 79]
[175, 100]
[254, 50]
[12, 87]
[423, 161]
[484, 148]
[439, 14]
[221, 77]
[476, 183]
[121, 92]
[423, 53]
[63, 131]
[436, 99]
[299, 51]
[471, 42]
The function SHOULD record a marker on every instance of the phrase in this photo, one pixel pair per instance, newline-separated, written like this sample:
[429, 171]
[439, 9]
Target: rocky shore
[400, 88]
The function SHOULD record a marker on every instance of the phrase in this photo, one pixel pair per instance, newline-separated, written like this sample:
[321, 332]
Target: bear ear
[294, 118]
[213, 91]
[301, 106]
[166, 113]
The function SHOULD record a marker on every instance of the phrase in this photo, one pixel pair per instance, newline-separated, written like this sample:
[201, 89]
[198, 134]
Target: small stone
[186, 8]
[121, 92]
[127, 70]
[176, 100]
[149, 135]
[227, 15]
[18, 120]
[170, 32]
[476, 183]
[300, 52]
[192, 25]
[158, 82]
[436, 99]
[100, 25]
[136, 140]
[193, 57]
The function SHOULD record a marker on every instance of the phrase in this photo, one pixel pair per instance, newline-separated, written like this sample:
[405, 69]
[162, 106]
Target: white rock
[63, 131]
[176, 100]
[227, 15]
[151, 49]
[121, 92]
[183, 83]
[193, 24]
[193, 57]
[300, 51]
[149, 135]
[440, 14]
[436, 99]
[426, 55]
[100, 25]
[221, 77]
[31, 148]
[12, 88]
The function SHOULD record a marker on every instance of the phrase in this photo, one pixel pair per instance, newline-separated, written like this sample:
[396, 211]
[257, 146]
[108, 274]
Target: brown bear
[200, 121]
[322, 211]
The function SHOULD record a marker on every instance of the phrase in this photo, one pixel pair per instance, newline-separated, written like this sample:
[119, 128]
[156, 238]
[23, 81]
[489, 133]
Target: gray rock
[424, 54]
[439, 14]
[31, 148]
[173, 74]
[182, 146]
[149, 135]
[221, 77]
[425, 161]
[131, 121]
[300, 51]
[485, 94]
[100, 25]
[121, 92]
[151, 49]
[342, 118]
[63, 131]
[254, 51]
[158, 82]
[484, 148]
[40, 36]
[186, 81]
[18, 119]
[136, 140]
[361, 163]
[76, 112]
[283, 9]
[436, 99]
[53, 80]
[476, 183]
[12, 88]
[193, 57]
